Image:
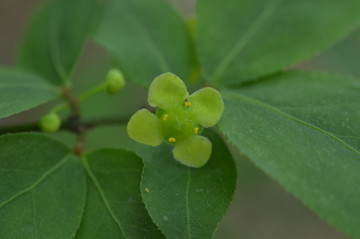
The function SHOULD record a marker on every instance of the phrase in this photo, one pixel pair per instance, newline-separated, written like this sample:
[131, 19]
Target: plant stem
[92, 91]
[34, 127]
[82, 97]
[74, 122]
[59, 107]
[20, 128]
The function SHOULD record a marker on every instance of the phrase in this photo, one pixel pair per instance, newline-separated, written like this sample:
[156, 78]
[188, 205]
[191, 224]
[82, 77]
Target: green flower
[179, 119]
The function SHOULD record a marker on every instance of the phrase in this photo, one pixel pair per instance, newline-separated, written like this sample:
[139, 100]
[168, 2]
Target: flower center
[177, 123]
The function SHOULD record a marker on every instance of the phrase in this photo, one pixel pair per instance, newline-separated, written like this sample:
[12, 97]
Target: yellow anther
[187, 103]
[172, 140]
[147, 190]
[196, 130]
[165, 117]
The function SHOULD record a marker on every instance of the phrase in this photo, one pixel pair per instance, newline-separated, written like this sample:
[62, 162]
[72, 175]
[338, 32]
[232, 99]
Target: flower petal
[166, 91]
[193, 152]
[144, 127]
[207, 106]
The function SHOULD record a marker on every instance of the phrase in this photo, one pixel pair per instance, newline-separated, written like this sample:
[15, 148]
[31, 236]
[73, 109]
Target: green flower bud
[50, 123]
[114, 81]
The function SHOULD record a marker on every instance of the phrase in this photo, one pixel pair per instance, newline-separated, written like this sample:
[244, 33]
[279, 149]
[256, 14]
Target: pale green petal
[166, 91]
[207, 106]
[144, 127]
[193, 152]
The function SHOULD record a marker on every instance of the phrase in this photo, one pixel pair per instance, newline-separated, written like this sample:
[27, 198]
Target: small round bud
[50, 123]
[114, 81]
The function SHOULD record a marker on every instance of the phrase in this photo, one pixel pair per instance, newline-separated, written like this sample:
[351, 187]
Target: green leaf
[42, 188]
[56, 37]
[302, 129]
[186, 202]
[106, 136]
[253, 38]
[146, 39]
[20, 90]
[114, 197]
[114, 136]
[97, 221]
[342, 59]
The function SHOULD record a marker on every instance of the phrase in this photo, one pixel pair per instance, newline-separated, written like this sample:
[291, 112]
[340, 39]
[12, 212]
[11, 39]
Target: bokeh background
[261, 209]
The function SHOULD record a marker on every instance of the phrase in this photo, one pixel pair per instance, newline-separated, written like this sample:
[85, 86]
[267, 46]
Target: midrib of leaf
[34, 210]
[54, 26]
[39, 181]
[245, 39]
[102, 195]
[269, 107]
[187, 204]
[159, 56]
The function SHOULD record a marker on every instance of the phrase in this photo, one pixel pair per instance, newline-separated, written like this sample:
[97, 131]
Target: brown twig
[66, 126]
[74, 123]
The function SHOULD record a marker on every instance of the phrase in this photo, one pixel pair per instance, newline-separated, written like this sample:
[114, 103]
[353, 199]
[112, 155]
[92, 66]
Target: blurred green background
[261, 208]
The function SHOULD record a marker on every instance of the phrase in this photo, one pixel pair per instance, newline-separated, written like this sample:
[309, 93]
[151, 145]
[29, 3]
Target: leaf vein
[34, 210]
[269, 107]
[102, 195]
[159, 56]
[39, 181]
[245, 39]
[54, 28]
[187, 204]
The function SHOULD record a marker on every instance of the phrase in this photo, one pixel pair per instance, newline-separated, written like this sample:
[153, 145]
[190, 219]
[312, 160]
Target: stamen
[165, 116]
[187, 103]
[196, 130]
[172, 140]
